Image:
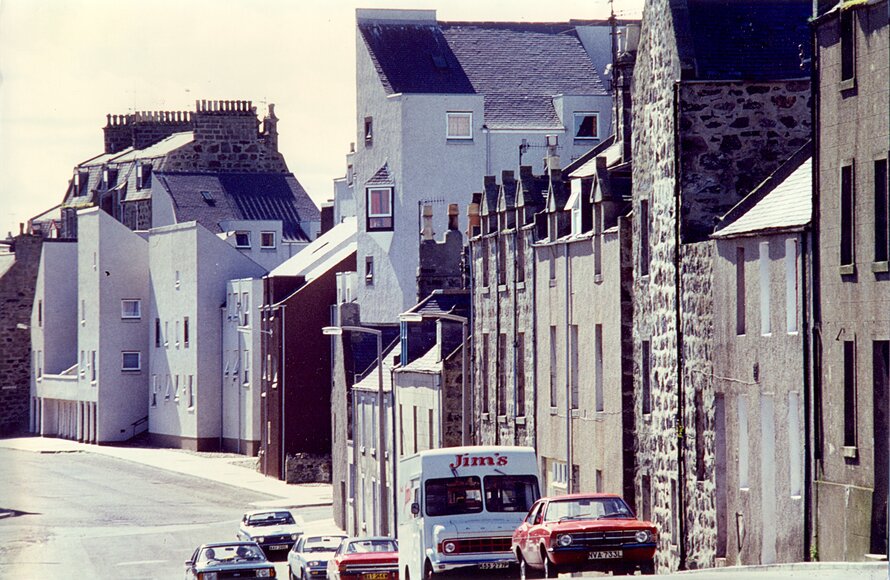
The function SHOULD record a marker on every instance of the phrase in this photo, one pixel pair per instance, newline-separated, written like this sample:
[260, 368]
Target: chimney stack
[474, 221]
[426, 232]
[452, 217]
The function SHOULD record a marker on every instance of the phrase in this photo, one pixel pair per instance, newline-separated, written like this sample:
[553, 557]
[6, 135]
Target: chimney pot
[452, 216]
[427, 231]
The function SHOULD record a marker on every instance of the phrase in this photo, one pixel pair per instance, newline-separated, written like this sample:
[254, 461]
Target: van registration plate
[376, 576]
[494, 565]
[605, 555]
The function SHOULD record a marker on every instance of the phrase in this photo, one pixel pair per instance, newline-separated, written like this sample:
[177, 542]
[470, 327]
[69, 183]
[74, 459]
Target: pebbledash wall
[16, 297]
[698, 147]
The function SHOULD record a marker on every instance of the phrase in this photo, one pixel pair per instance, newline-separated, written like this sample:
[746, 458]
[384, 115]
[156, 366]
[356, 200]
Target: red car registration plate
[376, 576]
[605, 555]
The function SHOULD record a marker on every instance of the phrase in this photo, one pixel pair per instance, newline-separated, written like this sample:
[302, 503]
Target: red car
[365, 559]
[583, 532]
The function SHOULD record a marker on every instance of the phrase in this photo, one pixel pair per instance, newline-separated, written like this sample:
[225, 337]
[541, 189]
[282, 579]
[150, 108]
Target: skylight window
[208, 197]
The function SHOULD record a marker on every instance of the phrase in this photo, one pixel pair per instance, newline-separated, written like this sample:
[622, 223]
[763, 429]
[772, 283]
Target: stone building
[503, 267]
[19, 262]
[761, 282]
[852, 307]
[720, 101]
[440, 105]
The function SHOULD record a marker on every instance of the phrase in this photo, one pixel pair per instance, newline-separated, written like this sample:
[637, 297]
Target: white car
[309, 557]
[275, 530]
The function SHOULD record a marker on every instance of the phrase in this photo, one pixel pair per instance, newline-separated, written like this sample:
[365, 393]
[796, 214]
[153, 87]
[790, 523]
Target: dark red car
[583, 532]
[365, 559]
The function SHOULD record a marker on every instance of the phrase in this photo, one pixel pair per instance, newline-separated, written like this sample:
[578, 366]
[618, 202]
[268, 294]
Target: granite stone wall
[17, 287]
[308, 468]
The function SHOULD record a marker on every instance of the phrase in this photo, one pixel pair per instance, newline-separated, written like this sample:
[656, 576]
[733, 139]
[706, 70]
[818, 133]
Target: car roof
[220, 544]
[582, 496]
[371, 538]
[267, 511]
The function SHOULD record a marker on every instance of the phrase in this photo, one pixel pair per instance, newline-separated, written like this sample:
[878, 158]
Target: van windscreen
[450, 496]
[510, 493]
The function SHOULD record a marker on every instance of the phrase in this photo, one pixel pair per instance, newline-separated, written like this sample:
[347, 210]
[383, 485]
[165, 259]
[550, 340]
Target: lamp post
[381, 445]
[465, 416]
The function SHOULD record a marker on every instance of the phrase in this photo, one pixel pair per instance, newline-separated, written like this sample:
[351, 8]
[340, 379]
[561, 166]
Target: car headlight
[564, 540]
[449, 547]
[260, 539]
[264, 573]
[642, 536]
[207, 576]
[315, 563]
[294, 537]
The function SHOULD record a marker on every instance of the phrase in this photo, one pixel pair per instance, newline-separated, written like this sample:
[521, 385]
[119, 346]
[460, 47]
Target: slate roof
[518, 67]
[429, 362]
[444, 302]
[534, 188]
[382, 177]
[368, 381]
[746, 40]
[244, 196]
[784, 201]
[490, 191]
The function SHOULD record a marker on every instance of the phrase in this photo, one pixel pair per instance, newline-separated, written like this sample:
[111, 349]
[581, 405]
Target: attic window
[369, 131]
[143, 176]
[267, 239]
[586, 125]
[208, 197]
[109, 178]
[242, 239]
[440, 61]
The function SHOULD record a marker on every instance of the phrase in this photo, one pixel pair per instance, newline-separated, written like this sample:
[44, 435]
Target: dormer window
[459, 125]
[109, 178]
[242, 239]
[267, 240]
[379, 209]
[82, 181]
[143, 176]
[586, 125]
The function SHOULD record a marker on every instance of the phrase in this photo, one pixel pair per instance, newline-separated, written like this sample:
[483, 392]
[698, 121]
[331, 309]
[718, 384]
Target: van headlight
[265, 573]
[449, 547]
[260, 540]
[294, 537]
[564, 540]
[642, 536]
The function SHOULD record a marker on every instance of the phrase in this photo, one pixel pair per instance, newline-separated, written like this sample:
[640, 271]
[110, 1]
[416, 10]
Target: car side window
[539, 517]
[530, 518]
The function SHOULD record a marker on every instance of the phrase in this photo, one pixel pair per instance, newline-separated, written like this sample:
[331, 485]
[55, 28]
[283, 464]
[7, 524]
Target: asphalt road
[84, 515]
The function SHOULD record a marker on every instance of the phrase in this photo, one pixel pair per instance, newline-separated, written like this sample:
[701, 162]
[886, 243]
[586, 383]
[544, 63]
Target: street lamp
[465, 416]
[381, 446]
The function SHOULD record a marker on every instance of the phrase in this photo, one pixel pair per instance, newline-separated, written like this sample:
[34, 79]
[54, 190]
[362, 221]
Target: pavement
[222, 468]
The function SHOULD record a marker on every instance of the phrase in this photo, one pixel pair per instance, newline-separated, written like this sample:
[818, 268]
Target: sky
[65, 64]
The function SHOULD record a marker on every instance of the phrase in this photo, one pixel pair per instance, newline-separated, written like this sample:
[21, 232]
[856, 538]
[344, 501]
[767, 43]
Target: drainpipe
[487, 132]
[807, 401]
[283, 386]
[468, 403]
[681, 396]
[570, 451]
[516, 401]
[222, 327]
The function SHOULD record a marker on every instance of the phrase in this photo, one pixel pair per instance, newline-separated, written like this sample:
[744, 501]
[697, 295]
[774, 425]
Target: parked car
[365, 559]
[310, 555]
[275, 531]
[229, 560]
[584, 532]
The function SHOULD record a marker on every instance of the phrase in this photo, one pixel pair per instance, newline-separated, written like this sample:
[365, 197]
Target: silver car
[275, 530]
[309, 557]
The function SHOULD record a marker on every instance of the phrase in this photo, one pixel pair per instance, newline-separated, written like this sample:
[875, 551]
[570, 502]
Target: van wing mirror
[415, 509]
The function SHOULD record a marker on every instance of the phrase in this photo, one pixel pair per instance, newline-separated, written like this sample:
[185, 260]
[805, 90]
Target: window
[401, 430]
[644, 237]
[242, 239]
[175, 387]
[646, 497]
[369, 270]
[848, 46]
[848, 204]
[191, 391]
[645, 371]
[83, 364]
[586, 125]
[502, 259]
[414, 411]
[109, 178]
[267, 240]
[598, 242]
[369, 131]
[40, 313]
[143, 176]
[764, 289]
[520, 374]
[450, 496]
[93, 369]
[185, 332]
[430, 422]
[553, 366]
[157, 333]
[573, 362]
[154, 390]
[39, 364]
[485, 260]
[245, 309]
[167, 388]
[379, 209]
[510, 493]
[502, 375]
[245, 368]
[177, 280]
[83, 312]
[794, 445]
[131, 361]
[599, 382]
[553, 265]
[177, 333]
[850, 394]
[520, 256]
[743, 442]
[208, 197]
[740, 291]
[82, 181]
[166, 333]
[131, 309]
[485, 396]
[459, 125]
[791, 285]
[350, 174]
[882, 212]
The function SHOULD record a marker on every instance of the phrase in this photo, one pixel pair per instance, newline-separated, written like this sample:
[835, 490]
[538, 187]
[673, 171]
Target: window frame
[847, 36]
[128, 369]
[368, 136]
[125, 315]
[847, 217]
[576, 125]
[243, 246]
[881, 168]
[371, 217]
[458, 114]
[270, 246]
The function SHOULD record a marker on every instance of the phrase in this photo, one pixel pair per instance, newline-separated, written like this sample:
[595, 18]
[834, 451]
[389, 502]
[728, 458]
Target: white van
[458, 508]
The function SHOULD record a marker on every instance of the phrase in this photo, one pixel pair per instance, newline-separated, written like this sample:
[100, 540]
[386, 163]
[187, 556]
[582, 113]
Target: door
[521, 534]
